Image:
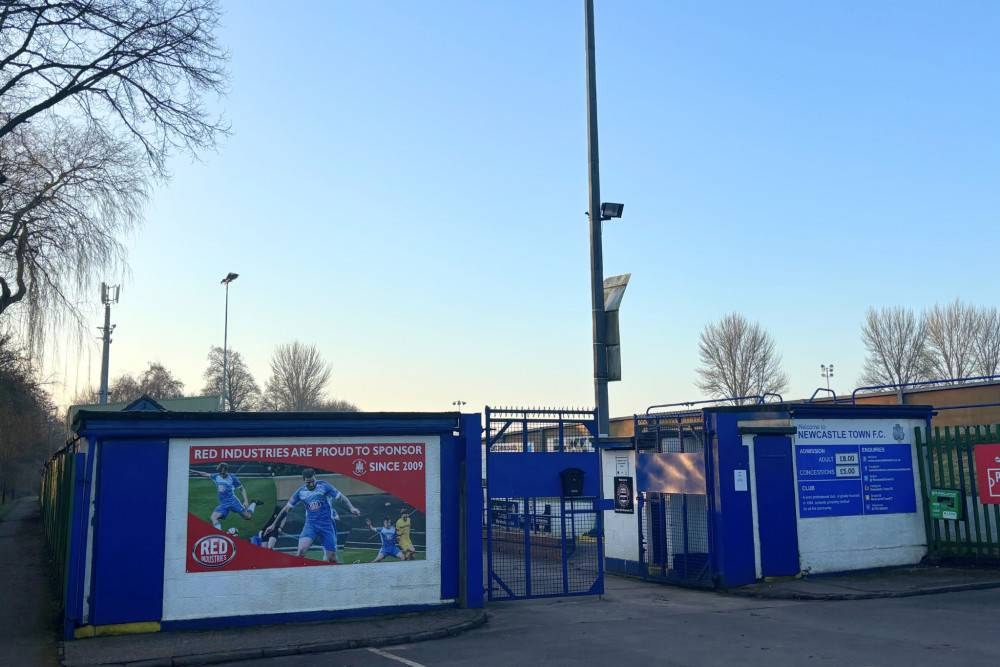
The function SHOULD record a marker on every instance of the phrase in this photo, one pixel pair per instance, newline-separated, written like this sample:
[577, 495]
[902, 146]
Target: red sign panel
[295, 505]
[988, 473]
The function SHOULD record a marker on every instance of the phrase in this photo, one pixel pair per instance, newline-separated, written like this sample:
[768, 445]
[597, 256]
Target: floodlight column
[596, 248]
[225, 348]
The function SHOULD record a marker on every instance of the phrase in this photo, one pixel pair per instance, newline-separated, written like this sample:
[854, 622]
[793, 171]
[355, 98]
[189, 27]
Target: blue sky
[406, 183]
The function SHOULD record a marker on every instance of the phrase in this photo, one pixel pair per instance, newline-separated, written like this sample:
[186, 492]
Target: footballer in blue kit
[388, 534]
[317, 496]
[226, 485]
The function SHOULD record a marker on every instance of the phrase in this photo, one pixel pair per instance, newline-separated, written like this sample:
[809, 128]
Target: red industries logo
[213, 551]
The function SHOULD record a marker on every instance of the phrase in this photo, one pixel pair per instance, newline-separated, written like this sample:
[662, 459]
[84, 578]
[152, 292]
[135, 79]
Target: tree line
[298, 382]
[30, 428]
[949, 342]
[740, 358]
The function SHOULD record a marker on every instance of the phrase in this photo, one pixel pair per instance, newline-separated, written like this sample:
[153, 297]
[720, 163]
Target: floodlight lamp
[229, 278]
[609, 210]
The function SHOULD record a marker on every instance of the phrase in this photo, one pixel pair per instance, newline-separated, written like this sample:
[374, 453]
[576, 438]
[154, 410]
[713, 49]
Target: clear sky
[406, 186]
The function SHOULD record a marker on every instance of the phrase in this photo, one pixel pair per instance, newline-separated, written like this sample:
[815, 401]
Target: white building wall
[194, 595]
[844, 543]
[621, 533]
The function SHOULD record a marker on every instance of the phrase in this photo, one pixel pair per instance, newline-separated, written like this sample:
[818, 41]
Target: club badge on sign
[624, 500]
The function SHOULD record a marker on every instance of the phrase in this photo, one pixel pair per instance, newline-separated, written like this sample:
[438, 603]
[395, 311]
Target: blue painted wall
[515, 474]
[128, 532]
[129, 485]
[732, 511]
[452, 458]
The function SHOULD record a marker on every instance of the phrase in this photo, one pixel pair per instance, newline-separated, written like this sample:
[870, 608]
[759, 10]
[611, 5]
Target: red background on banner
[247, 556]
[398, 468]
[988, 468]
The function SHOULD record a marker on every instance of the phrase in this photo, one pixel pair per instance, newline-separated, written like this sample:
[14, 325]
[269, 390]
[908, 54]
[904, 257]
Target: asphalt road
[637, 623]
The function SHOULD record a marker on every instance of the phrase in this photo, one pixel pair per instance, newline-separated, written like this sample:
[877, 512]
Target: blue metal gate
[543, 539]
[673, 498]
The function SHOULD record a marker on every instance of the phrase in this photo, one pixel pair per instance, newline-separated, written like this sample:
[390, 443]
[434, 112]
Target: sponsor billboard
[302, 505]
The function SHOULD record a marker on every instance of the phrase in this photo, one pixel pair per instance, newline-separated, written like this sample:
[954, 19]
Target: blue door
[779, 540]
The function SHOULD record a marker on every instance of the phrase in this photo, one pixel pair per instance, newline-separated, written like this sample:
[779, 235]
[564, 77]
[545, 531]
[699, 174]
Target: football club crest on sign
[623, 496]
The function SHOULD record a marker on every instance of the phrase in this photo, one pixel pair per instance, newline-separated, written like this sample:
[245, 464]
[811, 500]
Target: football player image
[403, 534]
[388, 535]
[268, 537]
[317, 496]
[226, 485]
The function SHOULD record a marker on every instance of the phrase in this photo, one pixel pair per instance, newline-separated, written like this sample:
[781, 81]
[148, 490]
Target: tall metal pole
[109, 295]
[596, 248]
[106, 354]
[225, 347]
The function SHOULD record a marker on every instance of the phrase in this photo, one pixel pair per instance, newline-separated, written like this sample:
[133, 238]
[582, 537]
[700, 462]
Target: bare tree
[138, 67]
[88, 395]
[71, 195]
[896, 342]
[951, 339]
[155, 382]
[94, 97]
[336, 405]
[987, 341]
[242, 390]
[298, 378]
[738, 358]
[124, 389]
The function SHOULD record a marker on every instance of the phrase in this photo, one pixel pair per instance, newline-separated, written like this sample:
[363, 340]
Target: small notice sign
[624, 498]
[946, 504]
[740, 480]
[621, 466]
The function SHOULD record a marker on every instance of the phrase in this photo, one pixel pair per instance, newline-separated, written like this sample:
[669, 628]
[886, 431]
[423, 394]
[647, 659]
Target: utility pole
[596, 247]
[109, 295]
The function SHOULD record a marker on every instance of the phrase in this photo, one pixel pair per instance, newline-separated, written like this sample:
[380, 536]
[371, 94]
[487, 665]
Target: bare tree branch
[987, 341]
[70, 197]
[299, 376]
[951, 339]
[94, 97]
[738, 358]
[143, 66]
[155, 382]
[896, 342]
[242, 391]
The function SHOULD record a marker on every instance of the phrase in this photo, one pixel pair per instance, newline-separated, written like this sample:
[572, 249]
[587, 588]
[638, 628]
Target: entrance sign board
[843, 469]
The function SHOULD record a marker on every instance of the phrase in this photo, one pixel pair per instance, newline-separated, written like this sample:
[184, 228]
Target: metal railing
[947, 461]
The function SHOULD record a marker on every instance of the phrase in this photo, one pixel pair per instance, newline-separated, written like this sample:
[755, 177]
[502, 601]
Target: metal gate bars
[970, 525]
[543, 540]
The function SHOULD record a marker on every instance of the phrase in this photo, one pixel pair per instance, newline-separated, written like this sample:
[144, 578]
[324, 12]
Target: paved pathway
[28, 606]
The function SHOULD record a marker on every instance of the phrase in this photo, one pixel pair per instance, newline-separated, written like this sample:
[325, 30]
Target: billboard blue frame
[103, 560]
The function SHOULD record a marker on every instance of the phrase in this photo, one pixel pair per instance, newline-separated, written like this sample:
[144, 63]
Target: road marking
[386, 654]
